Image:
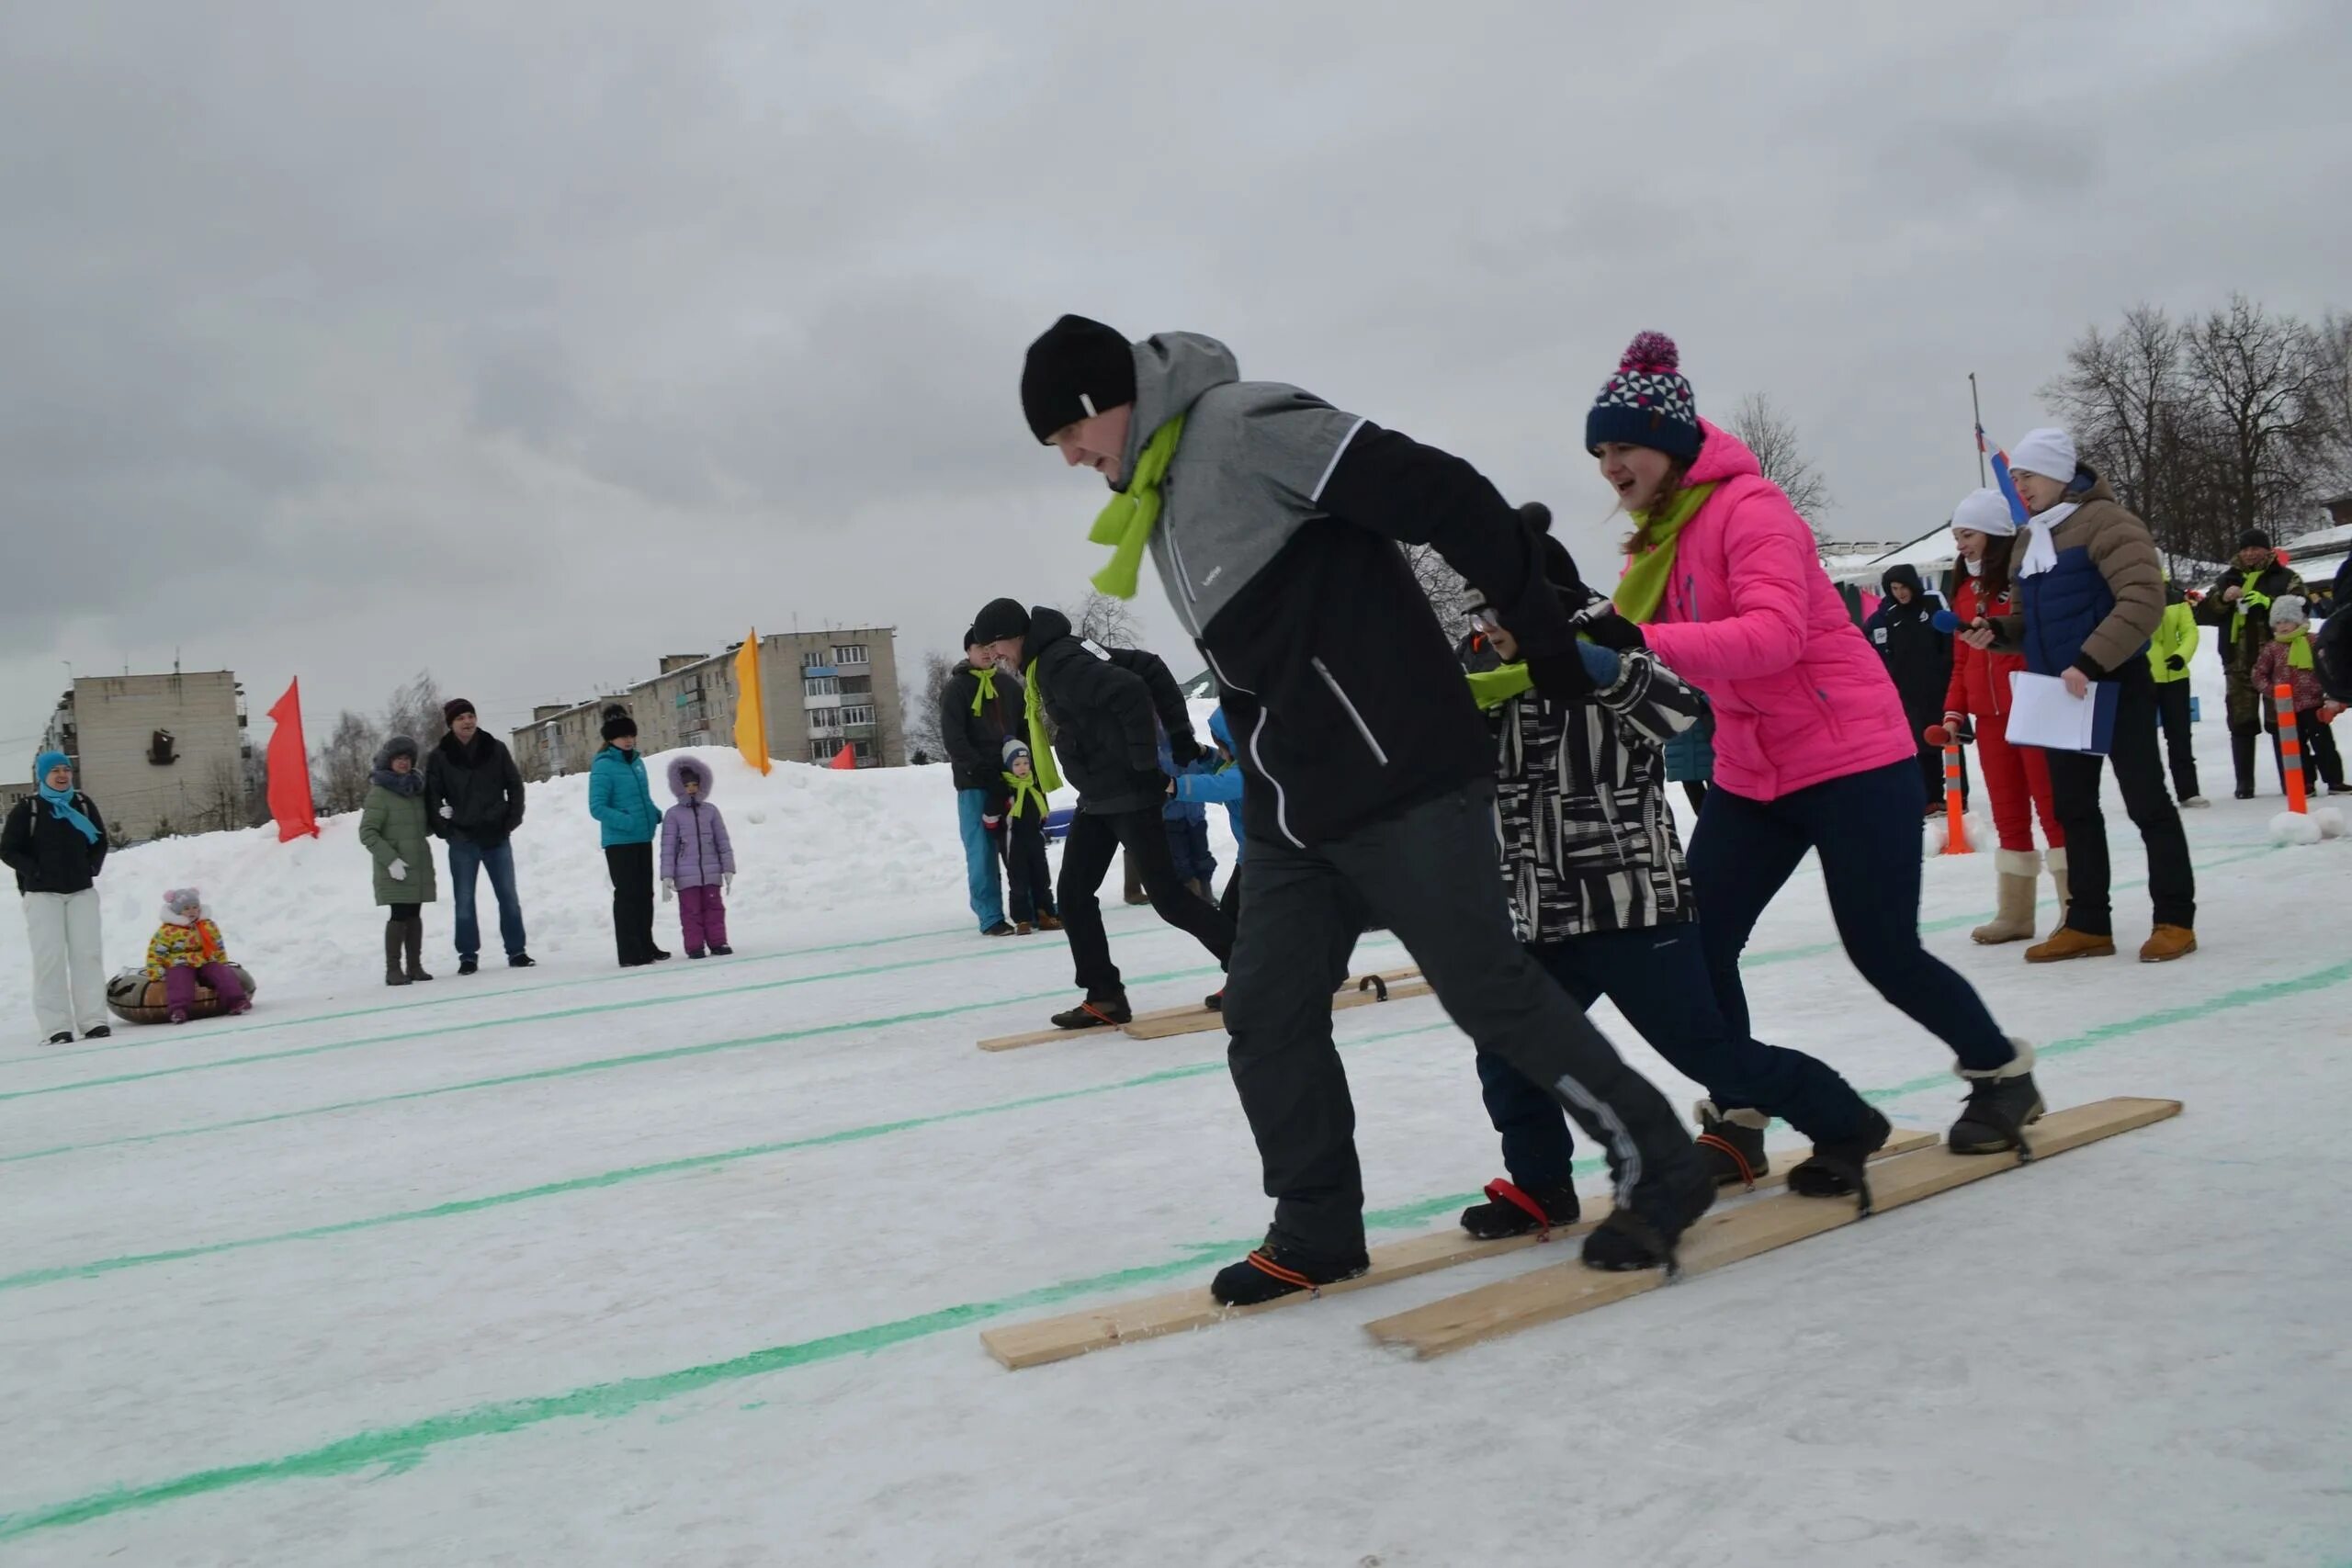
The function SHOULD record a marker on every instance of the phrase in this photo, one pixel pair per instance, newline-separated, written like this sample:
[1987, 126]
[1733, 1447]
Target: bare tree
[2126, 399]
[415, 710]
[252, 775]
[1773, 436]
[919, 706]
[339, 771]
[1105, 620]
[219, 798]
[2331, 367]
[2260, 385]
[1450, 597]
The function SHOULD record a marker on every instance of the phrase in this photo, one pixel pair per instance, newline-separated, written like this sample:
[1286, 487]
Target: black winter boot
[1731, 1144]
[1837, 1166]
[393, 975]
[413, 945]
[1514, 1211]
[1276, 1270]
[2241, 757]
[2001, 1105]
[1093, 1014]
[1641, 1232]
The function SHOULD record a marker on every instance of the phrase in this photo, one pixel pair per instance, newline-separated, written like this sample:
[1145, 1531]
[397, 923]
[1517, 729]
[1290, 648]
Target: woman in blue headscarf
[55, 840]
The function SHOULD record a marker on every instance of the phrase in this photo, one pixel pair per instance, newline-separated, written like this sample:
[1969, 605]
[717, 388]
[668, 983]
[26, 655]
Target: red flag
[846, 758]
[289, 764]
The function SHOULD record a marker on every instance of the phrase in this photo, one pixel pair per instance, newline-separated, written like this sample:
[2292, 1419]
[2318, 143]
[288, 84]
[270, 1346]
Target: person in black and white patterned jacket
[1600, 896]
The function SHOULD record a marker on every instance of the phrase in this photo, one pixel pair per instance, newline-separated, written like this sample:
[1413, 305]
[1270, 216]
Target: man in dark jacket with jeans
[473, 801]
[978, 706]
[1275, 521]
[1106, 708]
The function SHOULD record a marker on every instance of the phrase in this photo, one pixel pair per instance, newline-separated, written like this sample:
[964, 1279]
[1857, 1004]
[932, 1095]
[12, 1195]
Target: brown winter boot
[2021, 876]
[413, 941]
[2167, 944]
[2066, 942]
[1049, 922]
[392, 975]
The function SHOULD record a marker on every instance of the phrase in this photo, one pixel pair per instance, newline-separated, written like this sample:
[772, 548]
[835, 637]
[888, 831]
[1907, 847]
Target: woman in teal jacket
[620, 798]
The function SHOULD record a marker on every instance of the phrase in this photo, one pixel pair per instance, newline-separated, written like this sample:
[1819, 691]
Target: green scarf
[1642, 590]
[2298, 651]
[1493, 688]
[986, 691]
[1024, 790]
[1126, 522]
[1041, 748]
[2248, 600]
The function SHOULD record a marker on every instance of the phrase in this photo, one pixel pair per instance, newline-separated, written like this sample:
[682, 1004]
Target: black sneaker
[1091, 1014]
[64, 1039]
[521, 961]
[720, 949]
[1512, 1210]
[694, 953]
[661, 955]
[1731, 1144]
[1275, 1271]
[468, 966]
[1002, 928]
[1838, 1167]
[102, 1031]
[1641, 1233]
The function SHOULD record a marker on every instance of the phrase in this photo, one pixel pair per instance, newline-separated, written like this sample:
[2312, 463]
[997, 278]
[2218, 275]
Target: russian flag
[2017, 513]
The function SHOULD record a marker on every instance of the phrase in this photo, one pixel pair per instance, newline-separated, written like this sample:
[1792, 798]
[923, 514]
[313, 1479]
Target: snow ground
[688, 1266]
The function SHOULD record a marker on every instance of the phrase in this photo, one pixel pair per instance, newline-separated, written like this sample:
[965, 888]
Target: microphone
[1946, 621]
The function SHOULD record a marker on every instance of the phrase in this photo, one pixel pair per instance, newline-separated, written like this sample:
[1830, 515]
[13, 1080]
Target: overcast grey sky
[527, 341]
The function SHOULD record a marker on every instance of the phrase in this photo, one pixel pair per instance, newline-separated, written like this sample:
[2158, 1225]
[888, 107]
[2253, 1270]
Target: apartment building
[824, 690]
[159, 753]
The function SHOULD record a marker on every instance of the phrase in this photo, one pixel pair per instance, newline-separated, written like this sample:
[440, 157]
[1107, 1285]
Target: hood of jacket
[685, 768]
[1172, 370]
[1722, 455]
[398, 746]
[1218, 727]
[1908, 577]
[1047, 625]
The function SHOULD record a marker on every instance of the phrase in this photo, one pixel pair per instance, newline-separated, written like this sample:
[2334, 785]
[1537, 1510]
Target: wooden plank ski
[1564, 1290]
[1395, 985]
[1047, 1339]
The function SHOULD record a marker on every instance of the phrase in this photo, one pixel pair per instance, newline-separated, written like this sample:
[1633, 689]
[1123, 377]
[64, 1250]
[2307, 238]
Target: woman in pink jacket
[1812, 750]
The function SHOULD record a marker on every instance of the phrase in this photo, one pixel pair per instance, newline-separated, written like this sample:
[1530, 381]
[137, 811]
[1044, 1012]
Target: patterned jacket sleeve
[1651, 698]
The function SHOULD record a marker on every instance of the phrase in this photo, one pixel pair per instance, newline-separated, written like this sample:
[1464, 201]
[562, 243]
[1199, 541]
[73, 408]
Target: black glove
[1611, 631]
[2174, 661]
[1561, 677]
[1184, 751]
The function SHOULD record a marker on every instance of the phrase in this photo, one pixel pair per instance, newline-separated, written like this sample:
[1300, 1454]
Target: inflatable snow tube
[134, 999]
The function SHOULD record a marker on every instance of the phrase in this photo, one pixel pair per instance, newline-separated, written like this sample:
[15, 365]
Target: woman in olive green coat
[392, 831]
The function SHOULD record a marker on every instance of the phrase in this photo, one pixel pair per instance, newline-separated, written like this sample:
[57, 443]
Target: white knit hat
[2289, 610]
[1984, 511]
[2049, 452]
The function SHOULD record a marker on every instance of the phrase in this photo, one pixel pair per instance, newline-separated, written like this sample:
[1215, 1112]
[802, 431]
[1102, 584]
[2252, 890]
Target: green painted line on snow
[402, 1447]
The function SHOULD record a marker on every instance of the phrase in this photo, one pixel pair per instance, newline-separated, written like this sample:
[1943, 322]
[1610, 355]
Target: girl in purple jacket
[697, 860]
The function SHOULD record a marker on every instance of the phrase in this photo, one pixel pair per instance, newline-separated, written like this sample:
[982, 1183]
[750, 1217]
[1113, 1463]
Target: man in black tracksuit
[1106, 708]
[1273, 520]
[1918, 656]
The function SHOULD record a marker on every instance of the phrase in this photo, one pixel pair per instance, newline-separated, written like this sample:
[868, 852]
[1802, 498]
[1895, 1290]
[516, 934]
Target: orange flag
[846, 758]
[751, 704]
[288, 762]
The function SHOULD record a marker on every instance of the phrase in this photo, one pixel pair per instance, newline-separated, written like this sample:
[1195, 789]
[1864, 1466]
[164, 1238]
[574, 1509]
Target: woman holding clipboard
[2090, 591]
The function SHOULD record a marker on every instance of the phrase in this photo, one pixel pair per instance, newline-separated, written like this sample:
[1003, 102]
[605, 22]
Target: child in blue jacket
[1217, 783]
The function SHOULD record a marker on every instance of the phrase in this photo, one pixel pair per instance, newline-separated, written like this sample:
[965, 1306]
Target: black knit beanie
[618, 723]
[455, 709]
[1076, 369]
[1000, 619]
[2254, 539]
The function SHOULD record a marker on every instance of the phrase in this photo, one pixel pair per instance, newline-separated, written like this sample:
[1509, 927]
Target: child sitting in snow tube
[188, 974]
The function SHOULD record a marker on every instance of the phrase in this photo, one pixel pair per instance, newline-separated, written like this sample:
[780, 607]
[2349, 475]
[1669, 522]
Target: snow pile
[876, 849]
[1976, 828]
[2295, 828]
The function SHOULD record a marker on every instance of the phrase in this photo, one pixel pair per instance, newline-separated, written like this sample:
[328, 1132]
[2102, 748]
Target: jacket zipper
[1183, 575]
[1282, 799]
[1362, 728]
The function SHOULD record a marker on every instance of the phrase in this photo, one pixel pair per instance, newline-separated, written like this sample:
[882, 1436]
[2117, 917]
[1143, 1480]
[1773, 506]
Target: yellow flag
[751, 704]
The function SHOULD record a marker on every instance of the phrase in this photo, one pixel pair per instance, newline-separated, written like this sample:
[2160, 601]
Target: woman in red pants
[2017, 777]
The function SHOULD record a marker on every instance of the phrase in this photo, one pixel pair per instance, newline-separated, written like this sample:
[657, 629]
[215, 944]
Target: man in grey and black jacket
[1275, 521]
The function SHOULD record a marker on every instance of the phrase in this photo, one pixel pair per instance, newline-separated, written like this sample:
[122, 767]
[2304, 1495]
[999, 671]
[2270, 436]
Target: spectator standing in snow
[1813, 749]
[2090, 593]
[979, 708]
[2169, 651]
[621, 800]
[187, 951]
[1187, 825]
[1273, 519]
[2238, 605]
[55, 841]
[1599, 895]
[2289, 662]
[2334, 642]
[2017, 777]
[393, 830]
[473, 798]
[1028, 874]
[698, 860]
[1918, 658]
[1105, 709]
